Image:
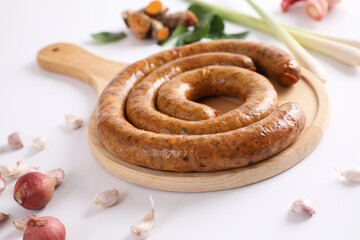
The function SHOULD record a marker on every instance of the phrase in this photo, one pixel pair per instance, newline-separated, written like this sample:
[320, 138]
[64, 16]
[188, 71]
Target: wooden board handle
[73, 61]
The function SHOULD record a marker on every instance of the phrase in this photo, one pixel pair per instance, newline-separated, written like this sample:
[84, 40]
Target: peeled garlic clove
[6, 170]
[73, 122]
[352, 175]
[14, 141]
[143, 228]
[21, 169]
[40, 143]
[303, 206]
[22, 223]
[107, 198]
[3, 216]
[2, 184]
[57, 173]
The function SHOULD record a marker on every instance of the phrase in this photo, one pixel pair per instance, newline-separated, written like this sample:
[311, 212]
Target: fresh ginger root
[154, 21]
[316, 9]
[285, 4]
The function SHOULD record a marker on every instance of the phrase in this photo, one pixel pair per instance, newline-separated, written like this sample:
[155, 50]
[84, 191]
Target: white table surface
[34, 101]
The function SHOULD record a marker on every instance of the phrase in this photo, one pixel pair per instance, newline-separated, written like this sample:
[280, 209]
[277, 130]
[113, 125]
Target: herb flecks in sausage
[207, 151]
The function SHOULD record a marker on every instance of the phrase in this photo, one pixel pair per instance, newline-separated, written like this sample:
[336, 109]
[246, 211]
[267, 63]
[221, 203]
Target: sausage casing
[204, 152]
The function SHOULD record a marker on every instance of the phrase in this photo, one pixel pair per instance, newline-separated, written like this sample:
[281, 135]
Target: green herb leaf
[217, 26]
[199, 33]
[198, 10]
[106, 37]
[241, 35]
[210, 26]
[178, 31]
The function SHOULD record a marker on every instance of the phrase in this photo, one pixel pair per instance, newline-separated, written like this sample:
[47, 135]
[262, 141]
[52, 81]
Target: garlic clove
[58, 173]
[14, 141]
[3, 216]
[40, 143]
[303, 206]
[107, 198]
[143, 228]
[22, 223]
[73, 122]
[21, 169]
[351, 175]
[6, 169]
[2, 183]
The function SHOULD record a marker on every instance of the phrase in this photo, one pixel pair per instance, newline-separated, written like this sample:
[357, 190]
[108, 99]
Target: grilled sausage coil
[187, 136]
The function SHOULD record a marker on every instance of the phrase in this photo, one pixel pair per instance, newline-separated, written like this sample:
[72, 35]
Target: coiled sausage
[202, 152]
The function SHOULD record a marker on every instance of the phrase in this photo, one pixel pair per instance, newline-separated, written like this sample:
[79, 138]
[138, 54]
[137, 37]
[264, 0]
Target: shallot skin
[34, 190]
[45, 228]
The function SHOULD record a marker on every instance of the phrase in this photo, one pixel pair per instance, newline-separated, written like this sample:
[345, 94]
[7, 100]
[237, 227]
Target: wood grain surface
[309, 93]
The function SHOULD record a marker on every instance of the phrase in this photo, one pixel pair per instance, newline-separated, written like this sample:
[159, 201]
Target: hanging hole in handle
[55, 49]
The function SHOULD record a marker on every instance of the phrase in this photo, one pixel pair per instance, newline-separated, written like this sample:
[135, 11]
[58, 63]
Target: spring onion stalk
[346, 54]
[330, 46]
[300, 31]
[304, 58]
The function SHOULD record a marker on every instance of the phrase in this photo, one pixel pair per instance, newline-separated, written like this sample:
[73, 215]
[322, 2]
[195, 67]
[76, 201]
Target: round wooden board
[309, 93]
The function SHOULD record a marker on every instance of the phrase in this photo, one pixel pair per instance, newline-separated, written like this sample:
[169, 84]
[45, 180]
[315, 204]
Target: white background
[34, 101]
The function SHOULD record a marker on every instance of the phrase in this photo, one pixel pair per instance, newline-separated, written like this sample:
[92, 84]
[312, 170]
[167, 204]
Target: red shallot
[45, 228]
[34, 190]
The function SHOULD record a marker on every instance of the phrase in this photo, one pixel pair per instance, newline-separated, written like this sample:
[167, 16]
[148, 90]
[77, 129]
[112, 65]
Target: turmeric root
[186, 18]
[140, 24]
[126, 15]
[154, 21]
[159, 31]
[156, 8]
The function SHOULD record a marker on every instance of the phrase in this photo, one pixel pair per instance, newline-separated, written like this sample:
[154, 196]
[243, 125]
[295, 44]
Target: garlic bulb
[352, 175]
[14, 141]
[73, 122]
[143, 228]
[40, 143]
[22, 223]
[107, 198]
[303, 206]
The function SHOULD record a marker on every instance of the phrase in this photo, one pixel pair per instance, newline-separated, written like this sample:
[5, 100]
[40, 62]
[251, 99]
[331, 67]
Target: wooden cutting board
[310, 93]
